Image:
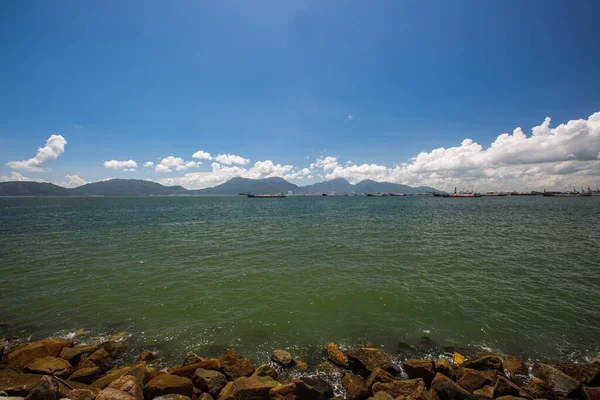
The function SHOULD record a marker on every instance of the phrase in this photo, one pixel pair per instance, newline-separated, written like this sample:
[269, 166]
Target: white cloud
[55, 146]
[128, 165]
[231, 159]
[171, 163]
[15, 176]
[350, 117]
[72, 181]
[148, 164]
[202, 155]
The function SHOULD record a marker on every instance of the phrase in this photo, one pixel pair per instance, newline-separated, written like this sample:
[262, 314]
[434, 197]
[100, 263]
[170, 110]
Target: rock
[355, 387]
[364, 360]
[50, 366]
[146, 355]
[423, 369]
[590, 393]
[484, 363]
[336, 356]
[168, 383]
[114, 394]
[283, 358]
[72, 354]
[209, 381]
[538, 389]
[235, 365]
[382, 396]
[266, 370]
[191, 358]
[180, 397]
[119, 337]
[510, 398]
[85, 375]
[46, 389]
[516, 368]
[113, 348]
[301, 366]
[445, 389]
[587, 374]
[128, 384]
[487, 391]
[205, 396]
[112, 375]
[561, 383]
[252, 388]
[188, 370]
[504, 387]
[80, 332]
[20, 357]
[379, 375]
[17, 384]
[411, 388]
[328, 367]
[102, 359]
[443, 366]
[283, 392]
[81, 394]
[313, 389]
[473, 380]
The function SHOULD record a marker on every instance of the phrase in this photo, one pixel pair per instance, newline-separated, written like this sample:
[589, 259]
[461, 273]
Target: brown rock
[516, 368]
[50, 366]
[423, 369]
[283, 392]
[443, 366]
[473, 380]
[305, 391]
[114, 394]
[443, 388]
[81, 394]
[204, 396]
[510, 398]
[411, 389]
[113, 348]
[282, 358]
[235, 365]
[102, 359]
[487, 391]
[85, 375]
[587, 374]
[252, 388]
[266, 370]
[20, 357]
[538, 389]
[17, 384]
[336, 356]
[112, 375]
[328, 367]
[147, 355]
[355, 387]
[561, 383]
[504, 387]
[379, 375]
[209, 381]
[128, 384]
[590, 393]
[301, 366]
[188, 370]
[45, 389]
[72, 354]
[191, 358]
[182, 397]
[119, 337]
[168, 383]
[382, 396]
[364, 360]
[484, 363]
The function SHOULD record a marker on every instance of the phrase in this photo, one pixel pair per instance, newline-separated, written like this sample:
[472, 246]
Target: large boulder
[443, 388]
[590, 393]
[328, 367]
[181, 397]
[505, 387]
[101, 358]
[191, 358]
[561, 383]
[114, 394]
[283, 392]
[72, 354]
[423, 369]
[128, 384]
[587, 374]
[20, 357]
[365, 359]
[266, 370]
[489, 362]
[283, 358]
[516, 368]
[81, 394]
[188, 370]
[538, 389]
[45, 389]
[473, 380]
[235, 365]
[50, 366]
[85, 375]
[17, 384]
[379, 375]
[113, 375]
[355, 387]
[336, 356]
[146, 355]
[313, 389]
[411, 388]
[209, 381]
[168, 383]
[443, 366]
[248, 388]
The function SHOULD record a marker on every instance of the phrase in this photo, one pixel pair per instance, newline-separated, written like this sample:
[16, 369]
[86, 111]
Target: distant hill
[32, 189]
[244, 185]
[127, 187]
[342, 186]
[338, 185]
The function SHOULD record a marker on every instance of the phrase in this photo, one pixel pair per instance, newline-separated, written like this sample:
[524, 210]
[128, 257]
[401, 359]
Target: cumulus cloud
[148, 164]
[231, 159]
[128, 165]
[72, 181]
[55, 146]
[202, 155]
[15, 176]
[172, 163]
[350, 117]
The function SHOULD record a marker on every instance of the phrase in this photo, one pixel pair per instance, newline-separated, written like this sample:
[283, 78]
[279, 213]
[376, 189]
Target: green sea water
[519, 275]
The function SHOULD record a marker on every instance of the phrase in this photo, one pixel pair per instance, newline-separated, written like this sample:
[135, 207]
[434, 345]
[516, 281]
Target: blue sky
[278, 80]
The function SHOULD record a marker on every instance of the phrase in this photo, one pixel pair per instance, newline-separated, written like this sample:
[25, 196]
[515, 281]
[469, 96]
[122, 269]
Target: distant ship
[455, 194]
[574, 193]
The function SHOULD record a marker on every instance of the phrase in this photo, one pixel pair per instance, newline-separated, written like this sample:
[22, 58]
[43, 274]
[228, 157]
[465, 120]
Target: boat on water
[494, 194]
[462, 193]
[574, 193]
[265, 196]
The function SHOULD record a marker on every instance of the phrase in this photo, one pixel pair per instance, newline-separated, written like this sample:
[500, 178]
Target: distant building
[290, 192]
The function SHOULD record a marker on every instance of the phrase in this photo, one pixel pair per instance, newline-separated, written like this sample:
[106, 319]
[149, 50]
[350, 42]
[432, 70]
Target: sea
[414, 276]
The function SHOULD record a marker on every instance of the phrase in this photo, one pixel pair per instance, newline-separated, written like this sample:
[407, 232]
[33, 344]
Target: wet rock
[102, 359]
[128, 384]
[81, 394]
[504, 387]
[538, 389]
[378, 375]
[423, 369]
[510, 398]
[180, 397]
[112, 375]
[301, 366]
[484, 363]
[444, 388]
[355, 387]
[188, 370]
[168, 383]
[191, 358]
[328, 367]
[364, 360]
[17, 384]
[114, 394]
[266, 370]
[72, 354]
[382, 396]
[516, 368]
[46, 389]
[487, 391]
[283, 358]
[209, 381]
[283, 392]
[587, 374]
[336, 356]
[146, 355]
[443, 366]
[20, 357]
[252, 388]
[119, 337]
[473, 380]
[113, 348]
[205, 396]
[561, 383]
[85, 375]
[235, 365]
[590, 393]
[313, 389]
[50, 366]
[411, 388]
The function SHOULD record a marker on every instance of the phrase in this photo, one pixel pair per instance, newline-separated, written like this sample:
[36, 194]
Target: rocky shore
[53, 369]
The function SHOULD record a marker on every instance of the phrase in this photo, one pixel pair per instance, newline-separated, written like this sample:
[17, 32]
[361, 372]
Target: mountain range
[234, 186]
